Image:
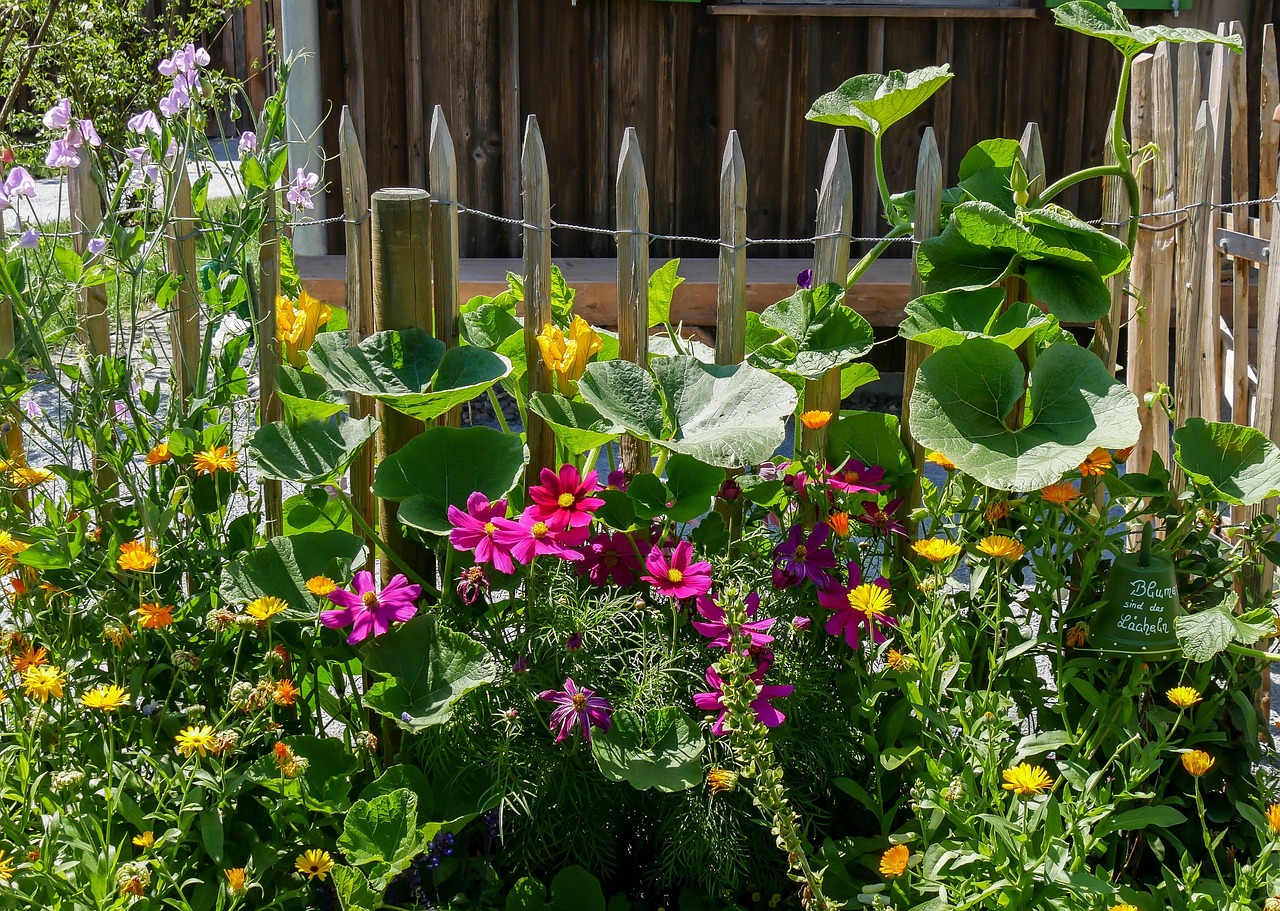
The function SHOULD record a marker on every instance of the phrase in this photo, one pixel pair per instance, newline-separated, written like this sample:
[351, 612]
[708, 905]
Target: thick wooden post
[184, 312]
[633, 279]
[1237, 355]
[270, 408]
[401, 236]
[85, 204]
[537, 292]
[444, 241]
[1138, 364]
[830, 264]
[1115, 216]
[1213, 382]
[1268, 142]
[731, 288]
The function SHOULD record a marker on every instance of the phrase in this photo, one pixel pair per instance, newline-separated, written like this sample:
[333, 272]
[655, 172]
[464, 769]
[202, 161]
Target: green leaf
[1111, 25]
[1074, 292]
[353, 890]
[1206, 633]
[382, 832]
[310, 453]
[855, 376]
[1059, 228]
[527, 895]
[325, 782]
[574, 889]
[965, 392]
[948, 262]
[489, 325]
[443, 466]
[871, 437]
[626, 394]
[662, 286]
[1237, 463]
[685, 496]
[428, 668]
[282, 566]
[948, 318]
[875, 102]
[985, 173]
[660, 751]
[307, 397]
[1140, 818]
[823, 333]
[577, 425]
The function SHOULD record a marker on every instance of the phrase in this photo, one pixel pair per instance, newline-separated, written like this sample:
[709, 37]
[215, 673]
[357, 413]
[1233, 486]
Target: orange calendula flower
[722, 781]
[32, 657]
[566, 356]
[941, 461]
[1060, 494]
[1027, 780]
[297, 323]
[321, 585]
[898, 661]
[996, 511]
[211, 461]
[29, 477]
[1184, 697]
[839, 522]
[237, 882]
[1197, 762]
[286, 692]
[1096, 463]
[815, 420]
[158, 455]
[263, 609]
[137, 556]
[155, 616]
[1077, 635]
[1001, 547]
[894, 861]
[1122, 455]
[936, 550]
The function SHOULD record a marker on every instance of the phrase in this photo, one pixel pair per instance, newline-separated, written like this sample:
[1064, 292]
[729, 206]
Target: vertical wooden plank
[946, 40]
[1163, 253]
[1074, 134]
[353, 54]
[1268, 141]
[1194, 371]
[731, 288]
[633, 278]
[85, 205]
[830, 264]
[359, 258]
[537, 291]
[509, 111]
[1266, 416]
[1211, 287]
[256, 54]
[444, 240]
[415, 105]
[1138, 366]
[1115, 213]
[1237, 105]
[727, 102]
[270, 408]
[184, 313]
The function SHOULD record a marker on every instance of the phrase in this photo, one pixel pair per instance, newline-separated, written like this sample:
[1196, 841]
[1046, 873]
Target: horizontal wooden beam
[887, 10]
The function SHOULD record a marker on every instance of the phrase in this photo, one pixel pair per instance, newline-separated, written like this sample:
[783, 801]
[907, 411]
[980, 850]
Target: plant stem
[497, 410]
[881, 182]
[386, 550]
[873, 254]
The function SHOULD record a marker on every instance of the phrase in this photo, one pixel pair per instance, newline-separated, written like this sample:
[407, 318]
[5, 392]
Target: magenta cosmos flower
[610, 558]
[368, 611]
[800, 557]
[882, 519]
[577, 706]
[857, 607]
[856, 477]
[714, 627]
[565, 499]
[674, 576]
[477, 528]
[531, 537]
[765, 713]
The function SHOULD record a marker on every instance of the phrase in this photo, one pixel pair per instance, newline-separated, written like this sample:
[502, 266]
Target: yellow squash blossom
[1027, 780]
[315, 863]
[297, 323]
[894, 861]
[566, 356]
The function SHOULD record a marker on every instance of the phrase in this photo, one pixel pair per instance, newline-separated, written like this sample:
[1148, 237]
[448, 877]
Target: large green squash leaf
[965, 392]
[577, 425]
[949, 317]
[948, 262]
[660, 751]
[816, 333]
[1238, 463]
[873, 438]
[282, 566]
[1110, 25]
[1207, 632]
[353, 890]
[323, 785]
[383, 833]
[310, 453]
[306, 396]
[684, 496]
[875, 102]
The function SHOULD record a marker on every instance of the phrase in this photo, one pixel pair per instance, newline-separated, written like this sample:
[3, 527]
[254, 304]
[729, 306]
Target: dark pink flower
[577, 706]
[765, 713]
[610, 558]
[573, 643]
[533, 537]
[472, 583]
[801, 624]
[368, 611]
[729, 490]
[882, 520]
[565, 499]
[476, 529]
[800, 557]
[674, 576]
[857, 607]
[856, 477]
[617, 479]
[717, 630]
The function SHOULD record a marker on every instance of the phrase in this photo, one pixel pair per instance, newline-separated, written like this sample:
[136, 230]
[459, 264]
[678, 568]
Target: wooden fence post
[355, 195]
[270, 408]
[1268, 142]
[1162, 261]
[85, 205]
[731, 287]
[1211, 287]
[401, 256]
[184, 311]
[1138, 363]
[537, 292]
[633, 279]
[830, 264]
[444, 241]
[1115, 214]
[1237, 354]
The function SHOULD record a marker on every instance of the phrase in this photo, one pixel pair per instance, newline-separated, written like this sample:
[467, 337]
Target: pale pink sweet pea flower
[19, 182]
[368, 611]
[248, 142]
[62, 154]
[90, 133]
[96, 246]
[58, 116]
[144, 122]
[299, 195]
[29, 240]
[175, 102]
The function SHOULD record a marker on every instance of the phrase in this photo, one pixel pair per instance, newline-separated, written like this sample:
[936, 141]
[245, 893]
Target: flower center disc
[370, 600]
[801, 553]
[490, 528]
[579, 702]
[674, 575]
[539, 529]
[565, 500]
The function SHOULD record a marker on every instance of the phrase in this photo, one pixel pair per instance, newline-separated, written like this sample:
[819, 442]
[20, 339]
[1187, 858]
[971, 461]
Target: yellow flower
[315, 863]
[871, 599]
[297, 323]
[137, 556]
[1273, 818]
[1077, 635]
[321, 585]
[236, 882]
[996, 511]
[1124, 907]
[935, 550]
[894, 861]
[1184, 697]
[6, 866]
[1027, 780]
[1001, 547]
[198, 738]
[155, 616]
[32, 657]
[1097, 462]
[43, 682]
[263, 609]
[145, 840]
[105, 698]
[159, 455]
[941, 461]
[722, 781]
[1197, 762]
[898, 661]
[815, 420]
[1060, 494]
[566, 356]
[214, 460]
[29, 477]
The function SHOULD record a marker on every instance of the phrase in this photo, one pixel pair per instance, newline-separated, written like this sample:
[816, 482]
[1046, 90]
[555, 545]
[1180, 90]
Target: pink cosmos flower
[565, 499]
[531, 537]
[475, 530]
[856, 607]
[717, 630]
[883, 520]
[856, 477]
[610, 558]
[674, 576]
[58, 116]
[581, 707]
[368, 611]
[765, 713]
[800, 557]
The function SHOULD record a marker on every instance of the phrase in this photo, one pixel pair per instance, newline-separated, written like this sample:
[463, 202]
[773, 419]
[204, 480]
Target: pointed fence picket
[633, 280]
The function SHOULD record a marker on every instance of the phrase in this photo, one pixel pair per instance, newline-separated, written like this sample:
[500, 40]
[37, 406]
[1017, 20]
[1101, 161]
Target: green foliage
[1110, 25]
[312, 453]
[1237, 464]
[874, 102]
[808, 334]
[660, 750]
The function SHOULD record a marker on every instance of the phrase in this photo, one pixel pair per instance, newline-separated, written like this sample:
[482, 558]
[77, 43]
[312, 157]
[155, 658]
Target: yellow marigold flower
[210, 461]
[941, 461]
[263, 609]
[29, 477]
[894, 861]
[566, 356]
[1096, 463]
[6, 866]
[155, 616]
[996, 511]
[935, 550]
[1060, 494]
[158, 455]
[32, 657]
[1197, 762]
[237, 883]
[1027, 780]
[1273, 818]
[137, 556]
[1001, 547]
[871, 599]
[815, 420]
[105, 698]
[321, 585]
[722, 781]
[1184, 697]
[198, 738]
[297, 323]
[145, 840]
[839, 522]
[1077, 635]
[11, 545]
[314, 863]
[898, 661]
[43, 682]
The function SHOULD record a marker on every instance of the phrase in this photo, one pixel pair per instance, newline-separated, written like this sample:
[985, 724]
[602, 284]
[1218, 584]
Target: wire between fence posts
[270, 407]
[535, 183]
[444, 242]
[633, 280]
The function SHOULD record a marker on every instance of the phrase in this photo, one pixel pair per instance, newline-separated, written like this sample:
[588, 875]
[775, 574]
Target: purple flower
[18, 182]
[883, 520]
[573, 643]
[805, 279]
[97, 245]
[368, 611]
[717, 630]
[472, 583]
[189, 83]
[29, 240]
[801, 624]
[119, 411]
[146, 122]
[799, 558]
[62, 154]
[184, 60]
[675, 576]
[82, 132]
[33, 409]
[141, 159]
[610, 558]
[520, 665]
[729, 490]
[299, 194]
[765, 713]
[175, 102]
[565, 499]
[577, 706]
[617, 480]
[58, 116]
[476, 529]
[248, 142]
[771, 472]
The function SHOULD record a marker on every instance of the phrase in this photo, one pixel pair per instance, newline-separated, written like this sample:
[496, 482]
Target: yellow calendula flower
[941, 461]
[154, 616]
[105, 698]
[158, 455]
[722, 781]
[263, 609]
[815, 420]
[893, 862]
[211, 461]
[1273, 818]
[566, 356]
[6, 866]
[297, 323]
[198, 738]
[1096, 463]
[871, 599]
[44, 681]
[936, 550]
[1197, 762]
[1061, 494]
[1184, 697]
[145, 840]
[1001, 547]
[137, 556]
[898, 661]
[321, 585]
[1124, 907]
[314, 863]
[29, 477]
[237, 880]
[1027, 780]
